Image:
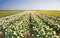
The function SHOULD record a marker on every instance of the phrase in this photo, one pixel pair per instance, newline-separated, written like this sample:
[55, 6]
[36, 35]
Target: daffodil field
[17, 25]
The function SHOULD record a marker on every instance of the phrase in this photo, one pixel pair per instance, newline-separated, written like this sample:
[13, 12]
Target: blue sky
[29, 4]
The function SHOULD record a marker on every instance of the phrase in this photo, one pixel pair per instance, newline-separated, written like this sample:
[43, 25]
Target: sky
[29, 4]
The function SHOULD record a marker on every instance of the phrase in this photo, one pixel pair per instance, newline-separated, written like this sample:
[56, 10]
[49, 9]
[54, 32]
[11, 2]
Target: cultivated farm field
[4, 13]
[30, 24]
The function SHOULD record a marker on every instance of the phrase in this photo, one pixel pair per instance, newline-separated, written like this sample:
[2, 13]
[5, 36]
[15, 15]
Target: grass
[4, 13]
